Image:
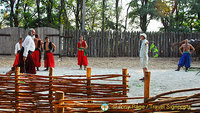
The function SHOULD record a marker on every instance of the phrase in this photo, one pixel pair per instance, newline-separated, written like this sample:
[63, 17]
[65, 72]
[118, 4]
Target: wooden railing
[20, 92]
[161, 102]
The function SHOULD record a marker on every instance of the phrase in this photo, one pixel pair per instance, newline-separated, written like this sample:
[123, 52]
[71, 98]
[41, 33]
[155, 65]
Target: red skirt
[49, 60]
[16, 60]
[82, 59]
[37, 58]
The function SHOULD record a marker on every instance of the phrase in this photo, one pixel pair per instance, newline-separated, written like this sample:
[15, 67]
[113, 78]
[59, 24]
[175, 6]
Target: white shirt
[144, 49]
[28, 44]
[17, 47]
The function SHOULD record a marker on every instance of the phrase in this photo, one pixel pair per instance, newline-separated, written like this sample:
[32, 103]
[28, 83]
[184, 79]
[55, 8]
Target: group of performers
[185, 50]
[28, 53]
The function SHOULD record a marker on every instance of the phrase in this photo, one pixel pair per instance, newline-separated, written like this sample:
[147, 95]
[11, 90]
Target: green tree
[142, 9]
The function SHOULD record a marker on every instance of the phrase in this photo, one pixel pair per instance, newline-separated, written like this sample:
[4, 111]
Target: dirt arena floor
[109, 62]
[163, 76]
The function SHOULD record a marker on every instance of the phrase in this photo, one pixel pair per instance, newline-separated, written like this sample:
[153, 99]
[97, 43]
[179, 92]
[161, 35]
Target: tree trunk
[38, 11]
[199, 15]
[117, 13]
[16, 21]
[126, 21]
[143, 18]
[25, 17]
[103, 15]
[49, 11]
[165, 23]
[77, 14]
[11, 12]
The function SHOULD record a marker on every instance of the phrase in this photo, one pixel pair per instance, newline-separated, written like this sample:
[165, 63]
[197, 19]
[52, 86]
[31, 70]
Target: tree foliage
[175, 15]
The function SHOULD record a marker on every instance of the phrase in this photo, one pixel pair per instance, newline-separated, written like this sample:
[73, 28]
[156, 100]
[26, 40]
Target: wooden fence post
[17, 89]
[125, 73]
[60, 40]
[146, 86]
[89, 82]
[59, 96]
[50, 89]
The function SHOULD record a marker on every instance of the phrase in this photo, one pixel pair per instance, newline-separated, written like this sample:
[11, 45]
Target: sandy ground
[163, 76]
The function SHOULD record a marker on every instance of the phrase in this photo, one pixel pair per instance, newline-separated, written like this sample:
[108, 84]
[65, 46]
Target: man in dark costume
[37, 53]
[186, 55]
[49, 48]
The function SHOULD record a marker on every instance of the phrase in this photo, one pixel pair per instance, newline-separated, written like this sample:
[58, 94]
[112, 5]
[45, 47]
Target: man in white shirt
[144, 53]
[18, 47]
[26, 61]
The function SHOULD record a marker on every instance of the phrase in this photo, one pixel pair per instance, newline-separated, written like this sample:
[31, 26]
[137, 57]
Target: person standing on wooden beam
[49, 48]
[82, 53]
[37, 53]
[26, 62]
[186, 55]
[144, 53]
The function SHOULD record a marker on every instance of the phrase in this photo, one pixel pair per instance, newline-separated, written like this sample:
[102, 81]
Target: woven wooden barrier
[22, 92]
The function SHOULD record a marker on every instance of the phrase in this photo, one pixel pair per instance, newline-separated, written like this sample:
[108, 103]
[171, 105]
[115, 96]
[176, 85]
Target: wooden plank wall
[10, 36]
[125, 44]
[107, 44]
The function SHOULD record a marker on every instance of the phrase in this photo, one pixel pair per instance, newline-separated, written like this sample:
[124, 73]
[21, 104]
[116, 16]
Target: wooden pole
[125, 83]
[60, 40]
[50, 89]
[146, 86]
[89, 82]
[59, 96]
[17, 89]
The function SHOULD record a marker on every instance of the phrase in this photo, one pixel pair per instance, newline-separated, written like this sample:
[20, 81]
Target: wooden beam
[5, 35]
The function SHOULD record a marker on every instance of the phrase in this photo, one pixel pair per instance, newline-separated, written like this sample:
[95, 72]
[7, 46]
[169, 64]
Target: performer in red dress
[18, 46]
[26, 62]
[49, 48]
[82, 53]
[37, 53]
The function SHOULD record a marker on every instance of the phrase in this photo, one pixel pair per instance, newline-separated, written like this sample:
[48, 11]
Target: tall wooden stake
[146, 86]
[50, 89]
[89, 82]
[125, 73]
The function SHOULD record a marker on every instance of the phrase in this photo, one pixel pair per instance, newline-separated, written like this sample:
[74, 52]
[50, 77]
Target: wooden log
[124, 73]
[146, 86]
[89, 82]
[58, 97]
[50, 89]
[17, 89]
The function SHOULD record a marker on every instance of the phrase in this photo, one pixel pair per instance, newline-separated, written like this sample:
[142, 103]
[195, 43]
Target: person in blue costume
[186, 55]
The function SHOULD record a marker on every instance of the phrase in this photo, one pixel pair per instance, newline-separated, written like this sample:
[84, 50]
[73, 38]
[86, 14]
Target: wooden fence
[159, 103]
[22, 92]
[123, 44]
[10, 36]
[106, 44]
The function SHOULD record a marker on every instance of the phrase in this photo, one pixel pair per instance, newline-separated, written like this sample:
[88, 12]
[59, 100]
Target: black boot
[178, 69]
[142, 79]
[84, 67]
[186, 69]
[80, 67]
[38, 69]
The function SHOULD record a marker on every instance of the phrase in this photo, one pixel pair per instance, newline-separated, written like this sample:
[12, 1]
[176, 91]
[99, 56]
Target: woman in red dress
[82, 53]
